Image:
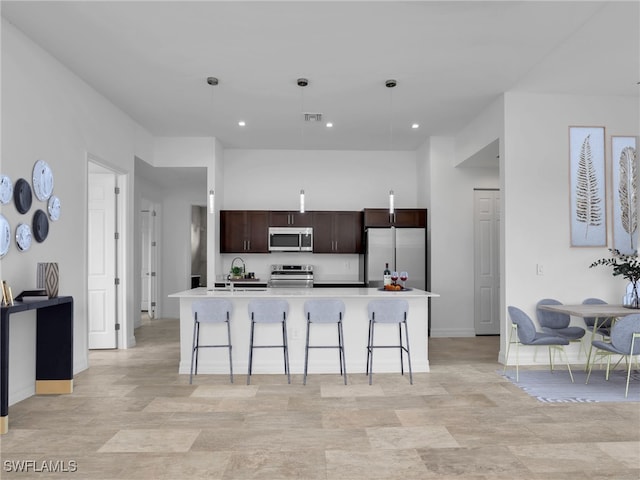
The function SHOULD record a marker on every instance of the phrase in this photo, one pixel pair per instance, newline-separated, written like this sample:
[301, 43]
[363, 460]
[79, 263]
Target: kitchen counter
[269, 361]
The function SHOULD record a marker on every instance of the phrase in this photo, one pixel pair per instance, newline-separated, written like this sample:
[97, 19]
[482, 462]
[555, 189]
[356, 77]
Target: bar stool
[388, 311]
[269, 311]
[212, 310]
[325, 311]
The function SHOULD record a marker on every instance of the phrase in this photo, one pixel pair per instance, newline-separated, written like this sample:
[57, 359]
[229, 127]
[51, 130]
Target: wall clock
[6, 189]
[53, 208]
[40, 226]
[23, 237]
[22, 195]
[5, 235]
[42, 180]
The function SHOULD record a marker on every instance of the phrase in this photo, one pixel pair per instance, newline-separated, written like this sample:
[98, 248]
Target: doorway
[148, 273]
[105, 261]
[487, 261]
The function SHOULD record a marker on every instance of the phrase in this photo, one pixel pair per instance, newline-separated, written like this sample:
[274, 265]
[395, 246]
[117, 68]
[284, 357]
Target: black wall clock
[22, 195]
[40, 226]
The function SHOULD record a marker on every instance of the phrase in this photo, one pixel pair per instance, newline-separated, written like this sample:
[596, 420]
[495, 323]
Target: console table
[54, 349]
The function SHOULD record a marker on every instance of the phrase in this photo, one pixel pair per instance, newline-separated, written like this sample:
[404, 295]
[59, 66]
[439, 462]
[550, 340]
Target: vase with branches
[628, 266]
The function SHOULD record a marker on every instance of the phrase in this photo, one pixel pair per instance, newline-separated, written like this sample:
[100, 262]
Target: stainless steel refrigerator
[402, 248]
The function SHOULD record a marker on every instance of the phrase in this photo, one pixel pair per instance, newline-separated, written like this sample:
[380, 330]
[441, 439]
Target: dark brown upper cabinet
[402, 218]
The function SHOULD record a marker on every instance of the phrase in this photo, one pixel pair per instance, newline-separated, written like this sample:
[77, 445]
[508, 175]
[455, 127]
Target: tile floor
[131, 416]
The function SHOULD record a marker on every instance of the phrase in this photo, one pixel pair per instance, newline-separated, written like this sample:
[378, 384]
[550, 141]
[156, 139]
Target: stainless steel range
[292, 276]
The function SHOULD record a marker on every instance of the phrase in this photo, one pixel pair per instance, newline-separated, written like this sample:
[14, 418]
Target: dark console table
[54, 349]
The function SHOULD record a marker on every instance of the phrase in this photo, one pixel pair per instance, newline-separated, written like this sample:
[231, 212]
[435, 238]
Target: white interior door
[102, 261]
[487, 262]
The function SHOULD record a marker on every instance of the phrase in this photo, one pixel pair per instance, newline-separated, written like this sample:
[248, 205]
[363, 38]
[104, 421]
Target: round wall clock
[22, 195]
[40, 226]
[6, 189]
[23, 237]
[54, 208]
[5, 235]
[42, 180]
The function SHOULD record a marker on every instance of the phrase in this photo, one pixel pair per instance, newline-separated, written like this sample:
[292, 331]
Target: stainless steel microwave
[290, 239]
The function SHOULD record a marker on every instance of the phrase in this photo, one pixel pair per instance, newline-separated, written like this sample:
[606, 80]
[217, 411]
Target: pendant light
[390, 84]
[302, 82]
[213, 81]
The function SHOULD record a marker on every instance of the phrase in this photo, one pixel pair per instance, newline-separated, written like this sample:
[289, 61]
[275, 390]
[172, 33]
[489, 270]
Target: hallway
[131, 416]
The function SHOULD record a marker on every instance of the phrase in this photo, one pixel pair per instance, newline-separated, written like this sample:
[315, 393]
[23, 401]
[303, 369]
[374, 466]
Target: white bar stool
[269, 311]
[388, 311]
[212, 310]
[325, 311]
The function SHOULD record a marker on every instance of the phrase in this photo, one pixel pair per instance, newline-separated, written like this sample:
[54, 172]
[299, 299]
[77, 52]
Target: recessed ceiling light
[415, 125]
[329, 124]
[241, 123]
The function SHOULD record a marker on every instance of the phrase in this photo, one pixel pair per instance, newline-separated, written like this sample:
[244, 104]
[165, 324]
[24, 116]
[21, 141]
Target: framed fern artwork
[587, 187]
[625, 182]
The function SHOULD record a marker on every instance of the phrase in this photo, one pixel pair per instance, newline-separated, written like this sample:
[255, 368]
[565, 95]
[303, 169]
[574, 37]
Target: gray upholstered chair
[389, 311]
[269, 311]
[557, 323]
[327, 311]
[526, 334]
[597, 326]
[211, 310]
[625, 341]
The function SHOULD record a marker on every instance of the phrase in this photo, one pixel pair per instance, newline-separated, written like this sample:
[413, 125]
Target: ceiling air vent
[312, 117]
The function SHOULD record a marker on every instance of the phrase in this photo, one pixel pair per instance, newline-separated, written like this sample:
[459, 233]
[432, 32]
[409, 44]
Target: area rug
[556, 387]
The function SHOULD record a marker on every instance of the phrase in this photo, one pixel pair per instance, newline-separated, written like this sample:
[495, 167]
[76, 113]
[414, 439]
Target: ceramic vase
[51, 279]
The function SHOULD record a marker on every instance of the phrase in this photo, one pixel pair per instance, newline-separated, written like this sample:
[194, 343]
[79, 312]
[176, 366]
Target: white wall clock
[23, 237]
[42, 180]
[54, 208]
[5, 235]
[6, 189]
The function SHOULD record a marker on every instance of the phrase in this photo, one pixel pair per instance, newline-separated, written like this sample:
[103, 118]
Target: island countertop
[262, 292]
[269, 361]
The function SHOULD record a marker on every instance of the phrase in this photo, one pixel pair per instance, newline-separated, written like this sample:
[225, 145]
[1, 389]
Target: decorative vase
[51, 279]
[631, 299]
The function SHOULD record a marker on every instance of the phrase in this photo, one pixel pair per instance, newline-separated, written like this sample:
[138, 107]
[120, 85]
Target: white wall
[452, 260]
[332, 180]
[536, 198]
[49, 113]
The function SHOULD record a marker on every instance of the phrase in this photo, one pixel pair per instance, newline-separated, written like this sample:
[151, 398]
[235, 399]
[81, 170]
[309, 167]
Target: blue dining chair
[625, 341]
[526, 334]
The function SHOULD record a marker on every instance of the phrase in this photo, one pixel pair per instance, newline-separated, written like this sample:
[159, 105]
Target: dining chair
[526, 334]
[596, 325]
[557, 323]
[625, 341]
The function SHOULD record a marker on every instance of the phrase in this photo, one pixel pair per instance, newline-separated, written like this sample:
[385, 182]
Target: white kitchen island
[270, 361]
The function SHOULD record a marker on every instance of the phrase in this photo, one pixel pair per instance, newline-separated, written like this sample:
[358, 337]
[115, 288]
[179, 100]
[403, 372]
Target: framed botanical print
[624, 193]
[587, 187]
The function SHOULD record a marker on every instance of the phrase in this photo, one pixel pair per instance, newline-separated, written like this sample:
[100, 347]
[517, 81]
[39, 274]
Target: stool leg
[401, 353]
[250, 352]
[306, 353]
[370, 349]
[343, 363]
[194, 349]
[406, 333]
[230, 356]
[286, 350]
